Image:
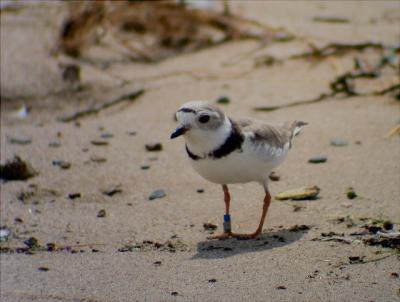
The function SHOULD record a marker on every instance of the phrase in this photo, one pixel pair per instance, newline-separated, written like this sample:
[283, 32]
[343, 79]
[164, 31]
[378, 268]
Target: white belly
[251, 164]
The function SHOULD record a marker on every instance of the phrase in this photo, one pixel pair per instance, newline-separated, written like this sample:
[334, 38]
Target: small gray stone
[98, 159]
[21, 140]
[157, 194]
[62, 164]
[107, 135]
[318, 159]
[54, 144]
[338, 142]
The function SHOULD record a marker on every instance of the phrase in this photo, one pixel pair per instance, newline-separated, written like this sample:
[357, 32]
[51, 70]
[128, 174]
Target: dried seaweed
[337, 49]
[333, 19]
[151, 31]
[344, 84]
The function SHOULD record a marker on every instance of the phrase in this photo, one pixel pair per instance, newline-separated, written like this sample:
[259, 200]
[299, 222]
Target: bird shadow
[215, 249]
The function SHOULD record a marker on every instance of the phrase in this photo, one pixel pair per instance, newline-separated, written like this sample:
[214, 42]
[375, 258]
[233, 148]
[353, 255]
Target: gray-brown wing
[273, 135]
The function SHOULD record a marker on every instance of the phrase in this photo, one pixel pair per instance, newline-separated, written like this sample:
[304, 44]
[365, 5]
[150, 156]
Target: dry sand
[295, 268]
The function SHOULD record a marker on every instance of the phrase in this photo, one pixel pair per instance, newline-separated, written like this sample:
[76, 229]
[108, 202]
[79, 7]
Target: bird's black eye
[204, 118]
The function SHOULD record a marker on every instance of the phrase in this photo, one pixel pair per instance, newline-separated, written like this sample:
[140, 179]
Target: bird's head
[196, 118]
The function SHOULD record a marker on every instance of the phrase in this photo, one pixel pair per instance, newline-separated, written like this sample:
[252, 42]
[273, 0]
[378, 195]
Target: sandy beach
[100, 238]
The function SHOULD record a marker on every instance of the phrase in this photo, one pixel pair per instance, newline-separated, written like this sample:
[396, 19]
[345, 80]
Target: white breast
[253, 163]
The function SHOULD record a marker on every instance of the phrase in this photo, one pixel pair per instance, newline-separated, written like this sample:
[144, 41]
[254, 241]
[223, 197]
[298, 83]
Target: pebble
[31, 242]
[274, 176]
[299, 193]
[101, 213]
[297, 228]
[152, 147]
[43, 269]
[157, 194]
[174, 294]
[18, 220]
[213, 280]
[22, 140]
[62, 164]
[387, 225]
[356, 259]
[145, 167]
[112, 190]
[99, 143]
[74, 195]
[107, 135]
[157, 263]
[98, 159]
[338, 142]
[208, 226]
[71, 73]
[223, 100]
[281, 287]
[200, 191]
[54, 144]
[318, 159]
[51, 247]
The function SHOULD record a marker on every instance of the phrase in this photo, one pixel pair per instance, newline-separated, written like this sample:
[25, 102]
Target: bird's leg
[227, 218]
[267, 201]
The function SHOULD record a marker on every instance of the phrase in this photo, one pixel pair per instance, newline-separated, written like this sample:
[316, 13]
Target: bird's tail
[296, 127]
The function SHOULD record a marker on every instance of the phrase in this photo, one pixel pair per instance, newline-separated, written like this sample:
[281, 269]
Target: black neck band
[232, 143]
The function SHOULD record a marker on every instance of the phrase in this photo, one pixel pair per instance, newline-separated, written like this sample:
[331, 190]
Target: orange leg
[267, 202]
[228, 234]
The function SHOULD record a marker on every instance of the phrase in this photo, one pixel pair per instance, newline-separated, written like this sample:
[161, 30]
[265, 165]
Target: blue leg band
[227, 223]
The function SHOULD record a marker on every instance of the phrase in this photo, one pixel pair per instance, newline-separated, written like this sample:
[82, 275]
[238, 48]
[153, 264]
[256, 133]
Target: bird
[228, 151]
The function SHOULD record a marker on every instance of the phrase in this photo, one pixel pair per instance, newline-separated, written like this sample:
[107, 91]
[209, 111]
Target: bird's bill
[179, 131]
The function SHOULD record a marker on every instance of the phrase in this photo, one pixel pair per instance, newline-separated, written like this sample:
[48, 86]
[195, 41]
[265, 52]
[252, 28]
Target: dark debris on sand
[17, 169]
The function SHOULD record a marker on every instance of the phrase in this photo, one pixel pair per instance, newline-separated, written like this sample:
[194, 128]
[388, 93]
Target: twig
[393, 131]
[389, 89]
[337, 49]
[342, 84]
[96, 109]
[320, 98]
[374, 259]
[338, 239]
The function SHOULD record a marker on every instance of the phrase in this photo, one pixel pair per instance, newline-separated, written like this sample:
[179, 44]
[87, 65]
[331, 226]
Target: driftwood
[97, 108]
[153, 30]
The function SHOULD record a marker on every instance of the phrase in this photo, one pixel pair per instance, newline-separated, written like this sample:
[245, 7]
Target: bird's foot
[227, 235]
[245, 236]
[222, 236]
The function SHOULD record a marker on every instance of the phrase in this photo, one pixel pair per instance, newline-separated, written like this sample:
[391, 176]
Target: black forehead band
[187, 110]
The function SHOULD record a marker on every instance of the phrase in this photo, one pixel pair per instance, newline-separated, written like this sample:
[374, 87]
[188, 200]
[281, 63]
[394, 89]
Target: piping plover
[227, 151]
